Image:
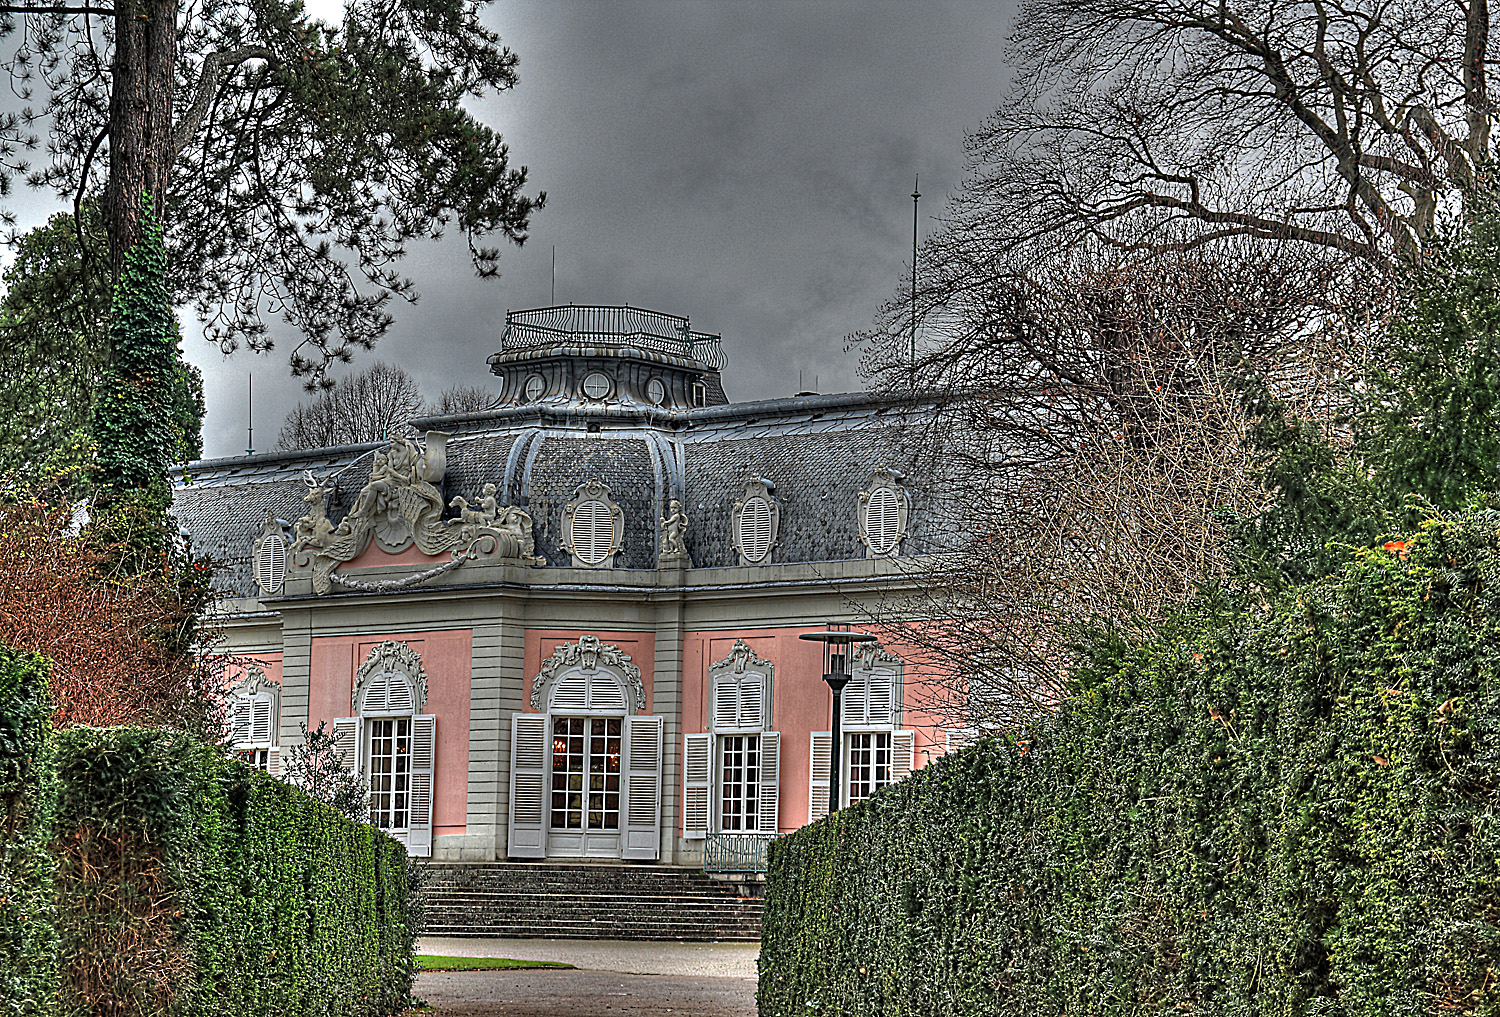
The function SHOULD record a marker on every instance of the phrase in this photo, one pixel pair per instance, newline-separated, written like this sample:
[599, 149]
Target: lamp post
[836, 642]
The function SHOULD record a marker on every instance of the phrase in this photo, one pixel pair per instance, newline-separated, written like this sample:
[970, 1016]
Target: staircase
[541, 900]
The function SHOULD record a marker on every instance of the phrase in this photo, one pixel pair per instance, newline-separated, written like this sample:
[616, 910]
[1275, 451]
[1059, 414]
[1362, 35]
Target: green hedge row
[28, 942]
[192, 884]
[143, 874]
[1276, 809]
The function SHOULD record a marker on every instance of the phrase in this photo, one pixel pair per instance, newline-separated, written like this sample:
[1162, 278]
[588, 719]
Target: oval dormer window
[535, 386]
[593, 531]
[596, 385]
[656, 391]
[755, 529]
[270, 562]
[883, 520]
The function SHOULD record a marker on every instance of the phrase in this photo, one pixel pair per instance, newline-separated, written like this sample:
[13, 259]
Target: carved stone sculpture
[674, 537]
[399, 507]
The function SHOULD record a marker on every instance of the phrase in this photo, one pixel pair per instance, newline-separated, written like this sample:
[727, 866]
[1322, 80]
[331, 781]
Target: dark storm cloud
[747, 164]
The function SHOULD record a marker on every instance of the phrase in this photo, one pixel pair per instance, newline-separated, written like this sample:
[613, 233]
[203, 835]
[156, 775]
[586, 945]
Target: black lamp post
[836, 642]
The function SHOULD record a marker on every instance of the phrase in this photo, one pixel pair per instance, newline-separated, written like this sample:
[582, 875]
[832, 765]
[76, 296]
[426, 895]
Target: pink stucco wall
[801, 701]
[373, 557]
[640, 647]
[446, 658]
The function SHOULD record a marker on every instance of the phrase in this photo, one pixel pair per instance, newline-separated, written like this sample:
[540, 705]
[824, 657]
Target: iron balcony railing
[608, 325]
[736, 852]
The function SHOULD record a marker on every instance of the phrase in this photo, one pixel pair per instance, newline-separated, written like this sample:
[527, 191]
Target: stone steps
[525, 900]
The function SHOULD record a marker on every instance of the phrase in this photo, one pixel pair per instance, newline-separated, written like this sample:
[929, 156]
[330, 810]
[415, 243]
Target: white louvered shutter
[270, 563]
[528, 793]
[642, 788]
[593, 531]
[605, 693]
[261, 720]
[239, 721]
[883, 520]
[821, 744]
[346, 742]
[697, 778]
[273, 761]
[755, 529]
[855, 701]
[726, 704]
[903, 748]
[752, 702]
[768, 804]
[423, 758]
[880, 700]
[570, 695]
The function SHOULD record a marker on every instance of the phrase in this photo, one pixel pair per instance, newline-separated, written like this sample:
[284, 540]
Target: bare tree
[464, 399]
[1086, 448]
[364, 407]
[1167, 124]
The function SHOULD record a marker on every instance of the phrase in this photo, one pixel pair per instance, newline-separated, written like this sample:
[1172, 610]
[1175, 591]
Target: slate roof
[818, 451]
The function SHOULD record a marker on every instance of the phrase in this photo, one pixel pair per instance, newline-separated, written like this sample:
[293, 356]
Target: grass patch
[428, 962]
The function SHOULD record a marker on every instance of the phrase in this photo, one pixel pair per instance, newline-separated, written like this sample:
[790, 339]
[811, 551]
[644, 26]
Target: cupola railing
[610, 325]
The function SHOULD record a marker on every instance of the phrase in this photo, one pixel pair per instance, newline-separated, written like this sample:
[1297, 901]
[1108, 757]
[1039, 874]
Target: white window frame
[253, 717]
[595, 491]
[391, 685]
[765, 490]
[741, 706]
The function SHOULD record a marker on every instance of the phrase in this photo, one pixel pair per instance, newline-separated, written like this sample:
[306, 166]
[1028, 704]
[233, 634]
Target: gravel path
[613, 979]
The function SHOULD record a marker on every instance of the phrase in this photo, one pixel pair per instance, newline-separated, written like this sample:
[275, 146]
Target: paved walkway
[613, 979]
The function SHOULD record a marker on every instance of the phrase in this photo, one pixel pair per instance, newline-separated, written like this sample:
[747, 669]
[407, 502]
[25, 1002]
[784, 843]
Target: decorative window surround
[584, 660]
[593, 527]
[254, 720]
[876, 752]
[392, 744]
[757, 522]
[884, 508]
[270, 555]
[731, 774]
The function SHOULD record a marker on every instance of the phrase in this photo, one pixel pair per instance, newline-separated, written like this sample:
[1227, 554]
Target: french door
[586, 759]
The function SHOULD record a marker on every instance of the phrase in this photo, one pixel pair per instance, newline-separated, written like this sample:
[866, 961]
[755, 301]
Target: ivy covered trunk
[135, 424]
[140, 117]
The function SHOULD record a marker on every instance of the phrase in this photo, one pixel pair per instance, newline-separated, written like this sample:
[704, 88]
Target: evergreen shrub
[190, 884]
[27, 792]
[1273, 809]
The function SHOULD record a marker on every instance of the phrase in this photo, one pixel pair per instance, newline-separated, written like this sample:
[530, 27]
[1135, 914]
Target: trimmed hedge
[190, 884]
[1276, 809]
[28, 943]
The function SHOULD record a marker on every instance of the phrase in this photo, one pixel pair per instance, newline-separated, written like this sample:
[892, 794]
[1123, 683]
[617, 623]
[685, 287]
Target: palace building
[568, 627]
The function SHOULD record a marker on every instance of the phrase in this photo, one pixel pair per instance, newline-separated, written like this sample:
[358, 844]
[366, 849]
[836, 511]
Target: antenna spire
[250, 416]
[915, 196]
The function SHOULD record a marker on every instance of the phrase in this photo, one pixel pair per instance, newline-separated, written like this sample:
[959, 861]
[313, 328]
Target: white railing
[736, 852]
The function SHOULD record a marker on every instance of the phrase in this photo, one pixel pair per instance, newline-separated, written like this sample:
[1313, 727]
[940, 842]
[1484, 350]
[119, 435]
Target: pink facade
[446, 658]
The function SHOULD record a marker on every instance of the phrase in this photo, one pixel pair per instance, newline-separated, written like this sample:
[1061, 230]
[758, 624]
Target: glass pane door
[586, 773]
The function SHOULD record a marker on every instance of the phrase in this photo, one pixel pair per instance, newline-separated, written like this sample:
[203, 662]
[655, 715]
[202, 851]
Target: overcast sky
[743, 162]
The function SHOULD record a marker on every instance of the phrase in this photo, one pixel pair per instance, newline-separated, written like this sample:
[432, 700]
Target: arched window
[586, 768]
[732, 773]
[593, 526]
[254, 719]
[393, 744]
[876, 752]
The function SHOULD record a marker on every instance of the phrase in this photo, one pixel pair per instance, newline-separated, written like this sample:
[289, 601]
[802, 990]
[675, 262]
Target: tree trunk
[140, 116]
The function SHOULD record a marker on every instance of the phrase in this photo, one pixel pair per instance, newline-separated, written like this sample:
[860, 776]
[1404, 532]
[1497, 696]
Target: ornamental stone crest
[588, 654]
[869, 656]
[741, 656]
[399, 507]
[391, 656]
